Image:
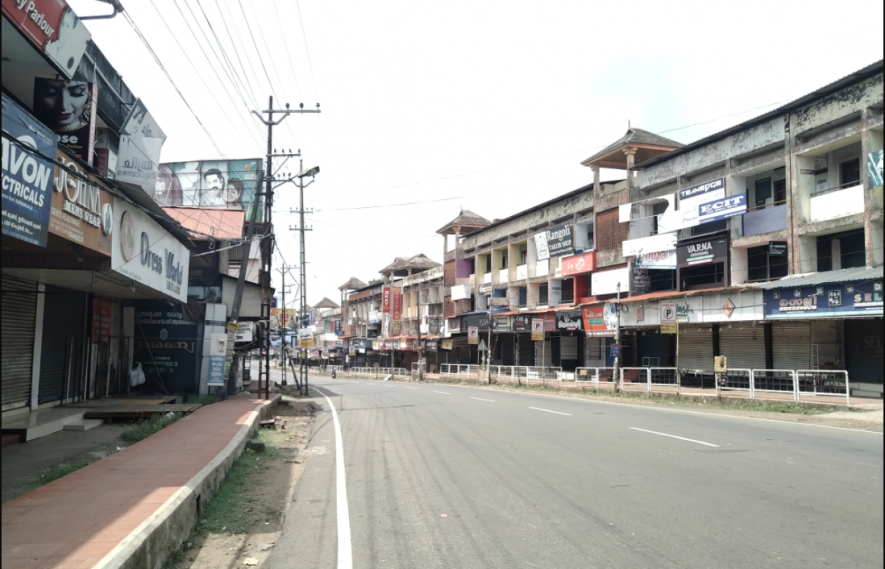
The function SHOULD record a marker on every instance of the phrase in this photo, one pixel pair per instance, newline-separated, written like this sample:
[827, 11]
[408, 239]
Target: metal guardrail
[467, 371]
[595, 375]
[775, 381]
[823, 382]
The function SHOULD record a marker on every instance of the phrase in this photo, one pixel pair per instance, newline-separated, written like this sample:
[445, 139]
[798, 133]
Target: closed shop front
[568, 352]
[65, 346]
[525, 349]
[743, 345]
[695, 353]
[791, 345]
[19, 317]
[544, 353]
[863, 355]
[654, 349]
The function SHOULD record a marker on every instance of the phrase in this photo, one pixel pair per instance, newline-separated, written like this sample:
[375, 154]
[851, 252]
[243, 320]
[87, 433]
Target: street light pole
[301, 185]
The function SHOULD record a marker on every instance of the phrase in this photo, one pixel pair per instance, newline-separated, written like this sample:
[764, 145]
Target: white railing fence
[823, 382]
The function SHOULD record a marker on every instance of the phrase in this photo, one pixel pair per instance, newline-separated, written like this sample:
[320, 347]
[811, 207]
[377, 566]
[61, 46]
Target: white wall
[740, 268]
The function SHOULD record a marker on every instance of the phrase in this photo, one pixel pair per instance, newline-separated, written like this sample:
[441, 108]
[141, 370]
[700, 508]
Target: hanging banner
[229, 184]
[53, 27]
[138, 162]
[27, 175]
[659, 260]
[397, 309]
[69, 109]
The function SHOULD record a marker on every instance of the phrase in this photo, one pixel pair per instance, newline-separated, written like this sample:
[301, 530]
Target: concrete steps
[83, 425]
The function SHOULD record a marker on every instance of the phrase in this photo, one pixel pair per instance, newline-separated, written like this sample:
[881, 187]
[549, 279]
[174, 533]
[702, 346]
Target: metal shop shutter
[63, 324]
[526, 349]
[695, 348]
[568, 348]
[544, 353]
[743, 348]
[791, 345]
[19, 314]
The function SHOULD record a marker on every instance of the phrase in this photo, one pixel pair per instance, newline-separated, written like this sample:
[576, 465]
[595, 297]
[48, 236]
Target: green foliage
[51, 473]
[148, 427]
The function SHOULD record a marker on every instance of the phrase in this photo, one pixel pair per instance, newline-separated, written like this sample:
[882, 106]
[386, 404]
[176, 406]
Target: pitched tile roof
[201, 222]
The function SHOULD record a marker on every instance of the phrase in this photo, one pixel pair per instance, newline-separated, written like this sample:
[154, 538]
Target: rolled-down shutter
[19, 316]
[526, 349]
[63, 344]
[744, 348]
[568, 348]
[695, 348]
[544, 353]
[791, 345]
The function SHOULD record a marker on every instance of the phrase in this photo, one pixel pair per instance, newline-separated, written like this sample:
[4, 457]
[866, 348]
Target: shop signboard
[657, 260]
[556, 241]
[338, 330]
[485, 288]
[724, 208]
[69, 109]
[166, 344]
[549, 321]
[522, 323]
[473, 335]
[702, 252]
[537, 329]
[81, 210]
[501, 324]
[777, 249]
[819, 301]
[397, 305]
[576, 264]
[217, 352]
[307, 342]
[53, 27]
[607, 282]
[27, 174]
[568, 321]
[640, 282]
[244, 332]
[595, 323]
[102, 310]
[479, 320]
[385, 300]
[147, 254]
[138, 162]
[446, 344]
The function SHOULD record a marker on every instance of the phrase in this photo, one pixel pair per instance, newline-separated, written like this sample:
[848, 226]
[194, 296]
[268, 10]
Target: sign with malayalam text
[846, 299]
[583, 263]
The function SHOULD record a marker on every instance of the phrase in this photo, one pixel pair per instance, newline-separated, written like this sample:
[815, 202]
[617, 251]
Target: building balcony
[522, 272]
[539, 269]
[503, 276]
[840, 201]
[487, 278]
[765, 220]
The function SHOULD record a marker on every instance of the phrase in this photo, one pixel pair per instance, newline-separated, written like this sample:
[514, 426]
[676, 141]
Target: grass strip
[227, 512]
[51, 473]
[146, 428]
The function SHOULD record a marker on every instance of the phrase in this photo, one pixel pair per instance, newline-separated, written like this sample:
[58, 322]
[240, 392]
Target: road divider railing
[775, 381]
[460, 371]
[815, 382]
[596, 376]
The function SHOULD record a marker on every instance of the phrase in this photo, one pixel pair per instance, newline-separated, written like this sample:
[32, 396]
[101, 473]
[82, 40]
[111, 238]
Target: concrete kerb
[163, 533]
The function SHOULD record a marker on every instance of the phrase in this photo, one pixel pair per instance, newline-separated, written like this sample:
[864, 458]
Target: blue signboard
[27, 176]
[723, 208]
[820, 301]
[166, 345]
[616, 350]
[216, 371]
[338, 329]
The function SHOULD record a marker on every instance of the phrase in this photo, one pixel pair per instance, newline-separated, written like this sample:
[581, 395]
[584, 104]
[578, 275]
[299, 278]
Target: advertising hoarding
[723, 208]
[385, 300]
[68, 108]
[27, 175]
[229, 184]
[701, 252]
[81, 210]
[576, 264]
[847, 299]
[556, 241]
[658, 260]
[595, 323]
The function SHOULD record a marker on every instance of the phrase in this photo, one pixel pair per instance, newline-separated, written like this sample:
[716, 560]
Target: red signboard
[101, 318]
[594, 321]
[397, 304]
[385, 300]
[53, 27]
[549, 321]
[583, 263]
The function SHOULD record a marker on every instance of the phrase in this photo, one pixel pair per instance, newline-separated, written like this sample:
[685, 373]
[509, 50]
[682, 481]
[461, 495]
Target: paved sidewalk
[77, 520]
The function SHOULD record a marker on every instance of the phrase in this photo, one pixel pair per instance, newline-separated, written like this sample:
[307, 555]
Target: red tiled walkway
[75, 521]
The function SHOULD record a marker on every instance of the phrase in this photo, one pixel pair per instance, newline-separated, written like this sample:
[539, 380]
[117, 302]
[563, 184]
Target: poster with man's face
[229, 184]
[68, 109]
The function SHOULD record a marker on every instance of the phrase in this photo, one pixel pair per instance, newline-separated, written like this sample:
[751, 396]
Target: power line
[288, 51]
[307, 49]
[199, 76]
[132, 24]
[236, 36]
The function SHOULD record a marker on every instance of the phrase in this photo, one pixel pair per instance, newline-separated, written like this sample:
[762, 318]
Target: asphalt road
[445, 476]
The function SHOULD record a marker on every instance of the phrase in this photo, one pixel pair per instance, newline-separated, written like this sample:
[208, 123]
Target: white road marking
[407, 387]
[675, 437]
[487, 400]
[345, 551]
[442, 392]
[549, 411]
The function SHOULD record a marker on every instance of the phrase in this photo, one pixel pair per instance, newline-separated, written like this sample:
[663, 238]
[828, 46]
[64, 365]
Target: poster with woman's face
[67, 107]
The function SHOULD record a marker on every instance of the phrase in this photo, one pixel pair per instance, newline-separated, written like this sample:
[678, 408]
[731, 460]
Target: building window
[503, 261]
[488, 263]
[523, 257]
[763, 192]
[849, 172]
[763, 267]
[780, 192]
[711, 227]
[568, 291]
[543, 294]
[841, 251]
[523, 296]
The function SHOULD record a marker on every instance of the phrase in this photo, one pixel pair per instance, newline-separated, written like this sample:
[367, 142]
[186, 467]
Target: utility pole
[283, 321]
[301, 185]
[420, 347]
[267, 247]
[617, 362]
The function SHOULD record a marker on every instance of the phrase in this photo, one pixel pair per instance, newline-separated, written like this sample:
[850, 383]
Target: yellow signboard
[306, 343]
[669, 328]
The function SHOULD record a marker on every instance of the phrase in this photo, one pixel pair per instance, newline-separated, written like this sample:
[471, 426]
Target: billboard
[556, 241]
[720, 209]
[53, 27]
[229, 184]
[27, 175]
[69, 109]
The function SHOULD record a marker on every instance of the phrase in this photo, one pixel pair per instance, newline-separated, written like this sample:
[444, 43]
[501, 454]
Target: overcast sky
[490, 106]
